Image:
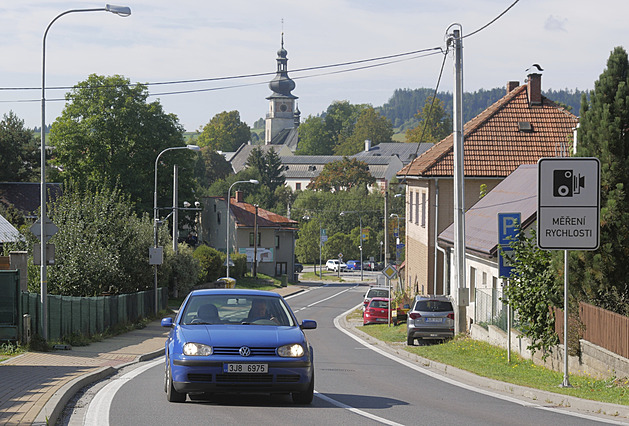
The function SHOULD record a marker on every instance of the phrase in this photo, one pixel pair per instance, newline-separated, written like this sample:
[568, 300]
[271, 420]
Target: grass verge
[490, 361]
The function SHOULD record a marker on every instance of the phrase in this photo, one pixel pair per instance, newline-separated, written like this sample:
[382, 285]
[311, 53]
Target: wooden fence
[601, 327]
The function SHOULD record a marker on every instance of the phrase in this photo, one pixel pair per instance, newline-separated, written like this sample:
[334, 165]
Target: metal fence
[88, 315]
[489, 308]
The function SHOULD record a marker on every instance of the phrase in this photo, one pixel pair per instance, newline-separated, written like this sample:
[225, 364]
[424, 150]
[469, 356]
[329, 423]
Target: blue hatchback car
[237, 341]
[353, 264]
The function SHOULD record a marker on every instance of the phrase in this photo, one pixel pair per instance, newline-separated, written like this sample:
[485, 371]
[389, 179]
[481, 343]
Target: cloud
[555, 23]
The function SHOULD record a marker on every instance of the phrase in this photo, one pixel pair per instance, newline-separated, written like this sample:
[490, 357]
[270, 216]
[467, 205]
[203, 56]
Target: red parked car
[377, 311]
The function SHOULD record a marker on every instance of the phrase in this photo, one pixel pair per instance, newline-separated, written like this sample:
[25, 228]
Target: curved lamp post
[156, 212]
[253, 181]
[120, 11]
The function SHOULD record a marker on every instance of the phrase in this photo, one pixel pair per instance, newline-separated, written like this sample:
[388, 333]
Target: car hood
[239, 335]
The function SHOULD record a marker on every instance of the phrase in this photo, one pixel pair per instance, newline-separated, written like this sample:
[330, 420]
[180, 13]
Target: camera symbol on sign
[566, 183]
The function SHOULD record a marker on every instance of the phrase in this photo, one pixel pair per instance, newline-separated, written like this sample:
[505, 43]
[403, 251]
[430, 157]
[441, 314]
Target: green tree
[342, 175]
[434, 123]
[225, 132]
[314, 138]
[19, 151]
[108, 133]
[102, 246]
[532, 290]
[369, 125]
[602, 276]
[210, 167]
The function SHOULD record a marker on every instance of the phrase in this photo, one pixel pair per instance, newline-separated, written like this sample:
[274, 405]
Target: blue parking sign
[508, 229]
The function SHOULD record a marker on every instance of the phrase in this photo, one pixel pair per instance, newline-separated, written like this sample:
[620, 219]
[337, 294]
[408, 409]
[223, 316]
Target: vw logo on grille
[244, 351]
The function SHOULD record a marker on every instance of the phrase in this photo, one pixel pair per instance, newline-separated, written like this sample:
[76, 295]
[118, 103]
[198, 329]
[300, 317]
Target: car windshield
[381, 304]
[433, 306]
[378, 293]
[236, 309]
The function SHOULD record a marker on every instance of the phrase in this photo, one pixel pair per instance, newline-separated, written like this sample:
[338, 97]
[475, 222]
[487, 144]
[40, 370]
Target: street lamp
[156, 214]
[360, 219]
[397, 234]
[253, 181]
[118, 10]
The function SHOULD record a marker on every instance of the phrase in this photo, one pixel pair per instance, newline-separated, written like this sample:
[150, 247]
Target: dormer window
[525, 126]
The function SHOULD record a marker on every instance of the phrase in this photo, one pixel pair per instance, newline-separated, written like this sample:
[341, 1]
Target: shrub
[210, 264]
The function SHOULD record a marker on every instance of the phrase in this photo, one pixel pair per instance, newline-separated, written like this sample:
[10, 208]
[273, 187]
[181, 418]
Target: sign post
[568, 215]
[508, 229]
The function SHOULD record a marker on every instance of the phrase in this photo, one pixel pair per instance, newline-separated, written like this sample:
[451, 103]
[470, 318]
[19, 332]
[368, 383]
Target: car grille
[234, 350]
[287, 378]
[244, 378]
[199, 377]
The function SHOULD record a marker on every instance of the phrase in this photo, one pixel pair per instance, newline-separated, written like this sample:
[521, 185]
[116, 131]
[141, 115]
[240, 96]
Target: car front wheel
[171, 394]
[304, 397]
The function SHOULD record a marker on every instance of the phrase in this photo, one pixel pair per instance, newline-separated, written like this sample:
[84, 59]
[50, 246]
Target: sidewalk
[36, 386]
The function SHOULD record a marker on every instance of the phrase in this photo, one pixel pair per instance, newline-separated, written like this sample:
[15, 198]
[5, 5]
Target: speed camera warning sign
[568, 203]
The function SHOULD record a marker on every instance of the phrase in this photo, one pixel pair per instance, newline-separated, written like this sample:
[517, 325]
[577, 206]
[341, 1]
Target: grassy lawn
[490, 361]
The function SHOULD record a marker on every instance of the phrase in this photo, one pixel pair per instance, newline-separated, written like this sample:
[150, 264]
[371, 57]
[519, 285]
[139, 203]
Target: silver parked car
[432, 317]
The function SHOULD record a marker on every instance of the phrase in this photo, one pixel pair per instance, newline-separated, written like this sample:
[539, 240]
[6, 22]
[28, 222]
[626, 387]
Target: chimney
[240, 197]
[534, 85]
[367, 145]
[512, 85]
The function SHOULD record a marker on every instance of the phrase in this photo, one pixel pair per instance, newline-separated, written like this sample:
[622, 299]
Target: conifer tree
[602, 276]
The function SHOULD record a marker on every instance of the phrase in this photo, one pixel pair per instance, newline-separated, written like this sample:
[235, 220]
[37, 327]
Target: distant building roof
[406, 152]
[25, 196]
[520, 128]
[244, 214]
[240, 157]
[287, 137]
[8, 232]
[516, 193]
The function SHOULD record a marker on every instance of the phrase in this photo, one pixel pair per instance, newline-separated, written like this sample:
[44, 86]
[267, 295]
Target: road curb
[614, 412]
[54, 407]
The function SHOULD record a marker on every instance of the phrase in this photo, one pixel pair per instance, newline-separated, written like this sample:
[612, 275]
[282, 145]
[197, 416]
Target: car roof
[233, 291]
[384, 299]
[429, 297]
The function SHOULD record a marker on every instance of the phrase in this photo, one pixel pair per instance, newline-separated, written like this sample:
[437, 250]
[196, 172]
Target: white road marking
[98, 411]
[356, 410]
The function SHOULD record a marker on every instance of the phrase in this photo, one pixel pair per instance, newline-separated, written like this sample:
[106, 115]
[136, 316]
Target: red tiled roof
[493, 144]
[245, 216]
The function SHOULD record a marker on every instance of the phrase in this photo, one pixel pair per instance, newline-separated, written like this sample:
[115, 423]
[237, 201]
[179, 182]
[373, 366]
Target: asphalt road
[354, 385]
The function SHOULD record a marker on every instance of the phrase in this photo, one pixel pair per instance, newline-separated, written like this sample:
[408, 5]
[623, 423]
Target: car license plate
[434, 319]
[245, 368]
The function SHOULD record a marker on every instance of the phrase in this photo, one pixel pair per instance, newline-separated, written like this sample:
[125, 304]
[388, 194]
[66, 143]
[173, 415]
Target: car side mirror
[167, 322]
[308, 325]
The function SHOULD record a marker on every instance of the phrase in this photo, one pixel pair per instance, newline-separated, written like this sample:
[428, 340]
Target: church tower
[283, 112]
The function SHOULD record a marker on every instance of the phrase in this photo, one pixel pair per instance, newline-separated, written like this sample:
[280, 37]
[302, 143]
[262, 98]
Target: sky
[165, 41]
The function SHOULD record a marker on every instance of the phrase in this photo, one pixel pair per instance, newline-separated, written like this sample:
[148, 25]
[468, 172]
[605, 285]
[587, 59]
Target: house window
[472, 284]
[484, 279]
[218, 218]
[251, 242]
[298, 186]
[423, 209]
[277, 241]
[417, 208]
[410, 207]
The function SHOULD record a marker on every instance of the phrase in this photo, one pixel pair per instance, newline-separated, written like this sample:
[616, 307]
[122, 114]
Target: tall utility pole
[462, 295]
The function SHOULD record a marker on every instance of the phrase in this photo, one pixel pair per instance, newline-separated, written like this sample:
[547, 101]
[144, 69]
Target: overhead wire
[426, 52]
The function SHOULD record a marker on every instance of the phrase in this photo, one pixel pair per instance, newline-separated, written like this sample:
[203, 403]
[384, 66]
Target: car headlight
[291, 351]
[196, 349]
